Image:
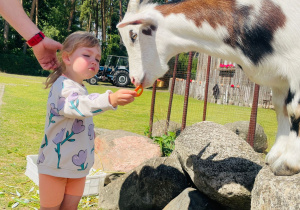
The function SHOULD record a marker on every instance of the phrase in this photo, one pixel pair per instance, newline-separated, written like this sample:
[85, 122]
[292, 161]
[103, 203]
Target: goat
[262, 36]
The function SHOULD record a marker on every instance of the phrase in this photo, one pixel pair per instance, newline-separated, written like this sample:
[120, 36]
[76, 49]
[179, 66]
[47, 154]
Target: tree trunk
[72, 10]
[103, 21]
[89, 24]
[6, 33]
[32, 9]
[97, 18]
[31, 17]
[120, 13]
[80, 22]
[90, 18]
[36, 11]
[109, 18]
[120, 18]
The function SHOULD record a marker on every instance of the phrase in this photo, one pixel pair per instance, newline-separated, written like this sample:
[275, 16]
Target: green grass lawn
[22, 117]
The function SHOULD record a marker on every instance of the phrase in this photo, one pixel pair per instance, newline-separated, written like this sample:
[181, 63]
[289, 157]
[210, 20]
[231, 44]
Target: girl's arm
[74, 102]
[78, 105]
[122, 97]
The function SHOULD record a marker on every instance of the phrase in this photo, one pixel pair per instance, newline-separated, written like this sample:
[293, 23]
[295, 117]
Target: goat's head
[146, 51]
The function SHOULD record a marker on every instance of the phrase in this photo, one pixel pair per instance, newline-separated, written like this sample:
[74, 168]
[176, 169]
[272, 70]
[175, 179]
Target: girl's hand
[122, 97]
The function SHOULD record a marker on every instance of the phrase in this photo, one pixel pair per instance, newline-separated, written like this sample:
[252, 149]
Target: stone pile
[210, 168]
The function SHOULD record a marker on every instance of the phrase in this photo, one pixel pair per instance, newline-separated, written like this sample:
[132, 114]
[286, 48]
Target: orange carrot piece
[139, 89]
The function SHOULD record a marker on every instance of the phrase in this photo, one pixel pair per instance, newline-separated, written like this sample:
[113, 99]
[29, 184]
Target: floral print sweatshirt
[67, 148]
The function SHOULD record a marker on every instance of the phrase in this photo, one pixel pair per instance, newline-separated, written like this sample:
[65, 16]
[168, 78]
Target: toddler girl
[67, 151]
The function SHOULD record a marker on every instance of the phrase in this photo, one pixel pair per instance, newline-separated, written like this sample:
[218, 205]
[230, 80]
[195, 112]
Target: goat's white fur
[175, 33]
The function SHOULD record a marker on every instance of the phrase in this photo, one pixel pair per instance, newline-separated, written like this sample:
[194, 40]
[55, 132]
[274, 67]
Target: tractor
[115, 70]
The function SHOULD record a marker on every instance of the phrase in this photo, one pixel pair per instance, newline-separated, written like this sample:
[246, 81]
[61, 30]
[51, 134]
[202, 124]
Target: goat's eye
[149, 30]
[132, 35]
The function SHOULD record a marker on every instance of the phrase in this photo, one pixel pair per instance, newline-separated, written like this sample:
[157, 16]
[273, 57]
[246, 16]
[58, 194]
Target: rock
[275, 192]
[111, 177]
[159, 127]
[192, 199]
[152, 185]
[121, 151]
[241, 129]
[220, 164]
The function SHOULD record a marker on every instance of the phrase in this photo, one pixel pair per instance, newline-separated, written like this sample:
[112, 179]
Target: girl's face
[83, 63]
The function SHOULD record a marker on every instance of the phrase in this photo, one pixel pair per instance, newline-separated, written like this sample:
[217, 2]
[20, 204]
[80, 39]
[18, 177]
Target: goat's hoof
[277, 150]
[281, 167]
[284, 157]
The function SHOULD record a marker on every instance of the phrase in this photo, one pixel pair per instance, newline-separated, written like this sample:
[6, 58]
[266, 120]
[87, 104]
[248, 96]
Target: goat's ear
[137, 21]
[134, 5]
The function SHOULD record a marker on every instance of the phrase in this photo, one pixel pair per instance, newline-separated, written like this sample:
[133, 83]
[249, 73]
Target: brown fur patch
[213, 11]
[251, 31]
[226, 13]
[272, 15]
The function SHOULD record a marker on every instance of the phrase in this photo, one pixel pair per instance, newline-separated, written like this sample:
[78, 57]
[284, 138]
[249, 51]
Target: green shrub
[166, 143]
[21, 64]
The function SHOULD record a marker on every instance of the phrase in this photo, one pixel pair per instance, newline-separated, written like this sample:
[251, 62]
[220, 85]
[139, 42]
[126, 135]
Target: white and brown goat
[262, 36]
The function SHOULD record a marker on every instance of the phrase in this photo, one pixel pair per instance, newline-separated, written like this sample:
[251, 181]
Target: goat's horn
[133, 6]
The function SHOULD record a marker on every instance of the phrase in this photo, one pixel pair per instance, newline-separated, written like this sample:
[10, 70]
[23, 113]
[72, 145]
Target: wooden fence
[226, 85]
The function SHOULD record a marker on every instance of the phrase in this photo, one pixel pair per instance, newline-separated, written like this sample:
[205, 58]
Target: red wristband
[36, 39]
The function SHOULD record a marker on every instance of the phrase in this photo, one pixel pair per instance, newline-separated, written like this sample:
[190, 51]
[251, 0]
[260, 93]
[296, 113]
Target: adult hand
[45, 53]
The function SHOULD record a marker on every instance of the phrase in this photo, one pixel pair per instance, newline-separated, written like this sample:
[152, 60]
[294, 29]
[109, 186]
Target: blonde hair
[72, 42]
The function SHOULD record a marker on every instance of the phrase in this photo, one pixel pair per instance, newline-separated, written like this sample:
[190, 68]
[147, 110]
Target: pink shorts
[52, 189]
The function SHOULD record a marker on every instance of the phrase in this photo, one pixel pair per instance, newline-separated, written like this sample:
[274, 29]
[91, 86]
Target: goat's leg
[284, 157]
[283, 126]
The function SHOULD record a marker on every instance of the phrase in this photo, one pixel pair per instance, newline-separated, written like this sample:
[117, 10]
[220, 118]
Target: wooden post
[187, 91]
[171, 95]
[253, 117]
[152, 109]
[206, 87]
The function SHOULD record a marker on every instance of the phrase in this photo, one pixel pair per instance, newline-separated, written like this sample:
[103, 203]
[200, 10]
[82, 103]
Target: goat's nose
[133, 80]
[136, 80]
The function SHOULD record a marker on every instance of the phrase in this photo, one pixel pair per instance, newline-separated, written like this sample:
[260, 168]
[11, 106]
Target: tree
[57, 19]
[85, 14]
[120, 11]
[103, 9]
[36, 11]
[6, 33]
[72, 10]
[97, 17]
[33, 5]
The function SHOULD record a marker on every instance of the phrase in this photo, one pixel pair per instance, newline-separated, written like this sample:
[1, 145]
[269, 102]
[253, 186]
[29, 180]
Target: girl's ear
[65, 58]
